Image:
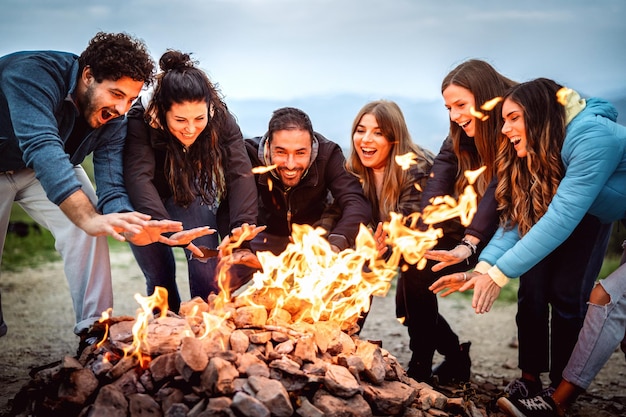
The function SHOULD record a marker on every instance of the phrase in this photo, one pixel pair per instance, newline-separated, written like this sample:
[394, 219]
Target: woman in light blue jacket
[592, 156]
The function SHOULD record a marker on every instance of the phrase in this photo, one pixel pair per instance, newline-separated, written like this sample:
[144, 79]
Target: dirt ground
[38, 311]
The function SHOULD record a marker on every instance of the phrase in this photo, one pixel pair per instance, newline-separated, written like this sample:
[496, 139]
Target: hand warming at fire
[151, 232]
[486, 291]
[184, 238]
[230, 246]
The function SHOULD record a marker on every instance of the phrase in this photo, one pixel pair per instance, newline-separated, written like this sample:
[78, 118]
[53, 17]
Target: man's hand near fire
[486, 291]
[230, 245]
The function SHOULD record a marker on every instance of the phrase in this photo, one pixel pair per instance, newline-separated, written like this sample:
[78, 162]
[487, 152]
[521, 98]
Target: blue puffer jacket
[594, 156]
[37, 116]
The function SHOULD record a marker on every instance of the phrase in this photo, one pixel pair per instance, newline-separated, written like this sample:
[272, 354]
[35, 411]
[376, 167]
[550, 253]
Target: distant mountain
[332, 116]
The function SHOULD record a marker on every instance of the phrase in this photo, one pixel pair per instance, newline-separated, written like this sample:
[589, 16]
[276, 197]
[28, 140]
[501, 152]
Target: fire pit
[286, 345]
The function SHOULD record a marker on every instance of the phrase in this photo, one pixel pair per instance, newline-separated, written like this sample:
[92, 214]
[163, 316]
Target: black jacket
[305, 203]
[441, 182]
[147, 186]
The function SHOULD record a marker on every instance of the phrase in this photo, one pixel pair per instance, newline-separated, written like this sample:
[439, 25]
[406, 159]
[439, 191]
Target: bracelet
[469, 245]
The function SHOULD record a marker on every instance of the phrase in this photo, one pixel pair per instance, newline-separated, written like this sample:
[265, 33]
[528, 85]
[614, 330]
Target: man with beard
[308, 175]
[55, 109]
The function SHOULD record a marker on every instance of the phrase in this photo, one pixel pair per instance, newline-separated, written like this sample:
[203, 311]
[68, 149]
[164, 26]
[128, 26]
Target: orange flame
[490, 104]
[106, 315]
[563, 94]
[405, 161]
[263, 169]
[158, 300]
[308, 281]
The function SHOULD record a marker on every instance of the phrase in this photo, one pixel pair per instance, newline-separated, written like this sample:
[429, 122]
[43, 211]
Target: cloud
[294, 48]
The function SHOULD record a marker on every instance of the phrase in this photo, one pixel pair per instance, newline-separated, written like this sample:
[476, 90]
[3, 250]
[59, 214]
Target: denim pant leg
[601, 334]
[202, 275]
[85, 258]
[157, 263]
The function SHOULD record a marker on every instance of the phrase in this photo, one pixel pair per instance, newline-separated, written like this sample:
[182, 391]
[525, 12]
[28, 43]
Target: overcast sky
[295, 48]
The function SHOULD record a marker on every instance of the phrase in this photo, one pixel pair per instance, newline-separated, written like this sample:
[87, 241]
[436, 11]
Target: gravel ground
[38, 311]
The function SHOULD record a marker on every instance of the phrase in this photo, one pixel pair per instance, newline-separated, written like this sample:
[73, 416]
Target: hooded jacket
[280, 208]
[594, 157]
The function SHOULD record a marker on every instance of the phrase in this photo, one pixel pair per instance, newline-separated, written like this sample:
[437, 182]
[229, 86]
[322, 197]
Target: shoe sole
[508, 407]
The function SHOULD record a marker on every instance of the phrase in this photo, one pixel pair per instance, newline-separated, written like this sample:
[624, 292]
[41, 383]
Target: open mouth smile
[368, 151]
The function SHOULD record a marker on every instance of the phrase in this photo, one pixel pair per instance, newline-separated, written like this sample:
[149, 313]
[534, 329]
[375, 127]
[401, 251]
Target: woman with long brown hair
[185, 159]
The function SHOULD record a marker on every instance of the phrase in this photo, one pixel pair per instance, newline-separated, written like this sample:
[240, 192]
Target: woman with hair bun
[185, 159]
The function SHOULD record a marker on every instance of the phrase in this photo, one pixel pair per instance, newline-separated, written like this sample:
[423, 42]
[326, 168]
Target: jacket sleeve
[411, 197]
[240, 182]
[32, 93]
[347, 192]
[442, 175]
[108, 168]
[591, 158]
[139, 167]
[485, 221]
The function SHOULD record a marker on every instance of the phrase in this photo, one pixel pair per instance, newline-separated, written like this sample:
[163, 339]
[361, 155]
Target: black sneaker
[537, 406]
[455, 368]
[3, 328]
[522, 388]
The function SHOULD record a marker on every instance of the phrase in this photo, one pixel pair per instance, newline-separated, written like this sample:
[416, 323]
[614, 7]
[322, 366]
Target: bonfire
[287, 344]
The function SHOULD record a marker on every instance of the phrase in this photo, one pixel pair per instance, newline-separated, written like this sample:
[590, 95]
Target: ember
[286, 345]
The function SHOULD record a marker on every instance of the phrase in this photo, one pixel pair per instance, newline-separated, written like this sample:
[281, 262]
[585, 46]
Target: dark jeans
[552, 299]
[428, 330]
[157, 260]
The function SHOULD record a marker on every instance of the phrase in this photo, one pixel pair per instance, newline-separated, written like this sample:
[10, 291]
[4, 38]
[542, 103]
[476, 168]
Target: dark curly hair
[112, 56]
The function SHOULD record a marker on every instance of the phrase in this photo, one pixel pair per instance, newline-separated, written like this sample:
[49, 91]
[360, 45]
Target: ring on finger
[464, 276]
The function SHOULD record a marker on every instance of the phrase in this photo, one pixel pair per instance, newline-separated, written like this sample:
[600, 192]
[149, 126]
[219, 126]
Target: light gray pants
[601, 334]
[85, 258]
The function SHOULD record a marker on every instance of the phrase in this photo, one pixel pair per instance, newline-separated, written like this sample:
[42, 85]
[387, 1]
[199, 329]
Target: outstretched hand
[238, 235]
[151, 232]
[185, 237]
[486, 291]
[459, 281]
[246, 257]
[448, 257]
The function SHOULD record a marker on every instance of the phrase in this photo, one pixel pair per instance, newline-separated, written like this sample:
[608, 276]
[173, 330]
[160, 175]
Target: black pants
[428, 330]
[552, 299]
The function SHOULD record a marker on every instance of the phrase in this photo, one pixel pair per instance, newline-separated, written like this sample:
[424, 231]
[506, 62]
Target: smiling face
[514, 126]
[290, 150]
[187, 120]
[370, 144]
[459, 101]
[106, 100]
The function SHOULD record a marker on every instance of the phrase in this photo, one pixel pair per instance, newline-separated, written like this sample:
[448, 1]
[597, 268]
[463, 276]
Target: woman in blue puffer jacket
[592, 156]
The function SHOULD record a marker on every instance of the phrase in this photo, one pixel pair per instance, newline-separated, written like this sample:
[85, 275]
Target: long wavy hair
[393, 126]
[197, 171]
[485, 83]
[527, 185]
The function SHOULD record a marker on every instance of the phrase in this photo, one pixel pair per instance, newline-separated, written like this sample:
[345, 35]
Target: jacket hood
[263, 153]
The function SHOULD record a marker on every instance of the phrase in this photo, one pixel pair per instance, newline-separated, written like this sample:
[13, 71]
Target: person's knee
[599, 295]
